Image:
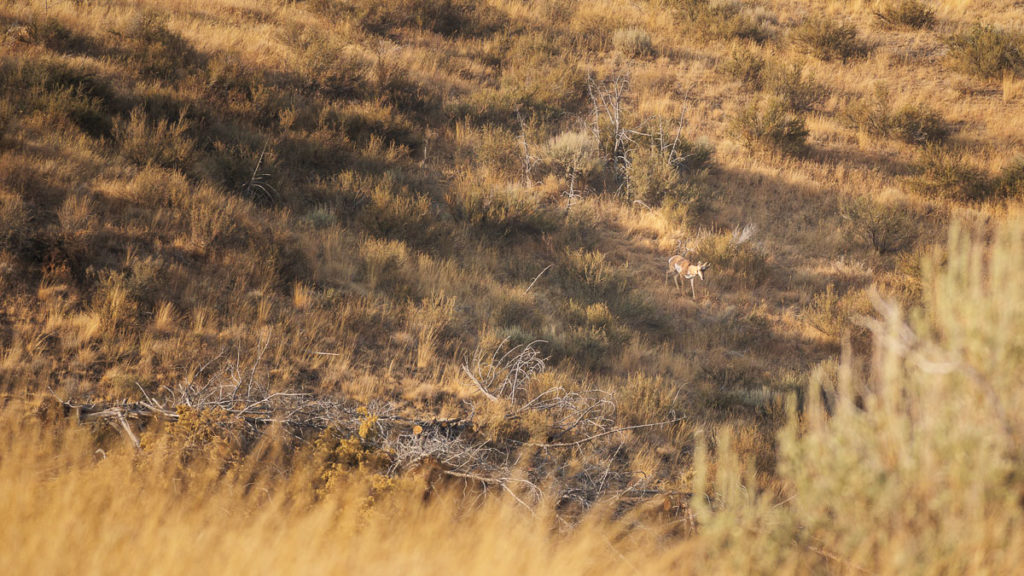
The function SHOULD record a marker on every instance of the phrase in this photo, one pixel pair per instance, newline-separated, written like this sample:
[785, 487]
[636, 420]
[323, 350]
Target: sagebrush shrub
[828, 40]
[635, 42]
[651, 176]
[919, 124]
[725, 19]
[1010, 183]
[987, 51]
[946, 174]
[445, 17]
[831, 312]
[790, 82]
[656, 166]
[871, 114]
[906, 14]
[793, 84]
[770, 125]
[746, 66]
[912, 123]
[887, 228]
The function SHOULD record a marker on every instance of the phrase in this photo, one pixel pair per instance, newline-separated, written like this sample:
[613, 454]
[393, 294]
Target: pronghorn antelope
[681, 267]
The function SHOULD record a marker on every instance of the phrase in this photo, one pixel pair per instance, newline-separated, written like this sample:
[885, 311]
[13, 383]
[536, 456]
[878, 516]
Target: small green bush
[828, 40]
[770, 125]
[635, 42]
[987, 51]
[906, 14]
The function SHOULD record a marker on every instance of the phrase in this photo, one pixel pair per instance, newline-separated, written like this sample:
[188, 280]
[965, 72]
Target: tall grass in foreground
[915, 468]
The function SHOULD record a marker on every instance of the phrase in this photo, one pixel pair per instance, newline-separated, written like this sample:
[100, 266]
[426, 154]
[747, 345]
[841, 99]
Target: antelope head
[701, 267]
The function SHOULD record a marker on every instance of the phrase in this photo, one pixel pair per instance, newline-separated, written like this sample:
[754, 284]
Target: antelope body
[682, 267]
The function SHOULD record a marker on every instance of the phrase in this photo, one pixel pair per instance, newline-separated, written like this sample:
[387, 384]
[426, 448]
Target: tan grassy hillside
[917, 470]
[432, 235]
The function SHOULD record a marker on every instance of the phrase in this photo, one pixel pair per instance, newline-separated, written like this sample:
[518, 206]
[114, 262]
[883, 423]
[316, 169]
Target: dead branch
[506, 375]
[582, 441]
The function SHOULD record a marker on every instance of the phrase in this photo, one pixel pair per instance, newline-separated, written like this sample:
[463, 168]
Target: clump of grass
[987, 51]
[634, 42]
[574, 152]
[386, 265]
[391, 209]
[734, 256]
[831, 313]
[145, 142]
[500, 210]
[912, 14]
[6, 114]
[14, 223]
[320, 217]
[589, 276]
[77, 224]
[574, 156]
[888, 229]
[155, 50]
[826, 39]
[445, 17]
[771, 125]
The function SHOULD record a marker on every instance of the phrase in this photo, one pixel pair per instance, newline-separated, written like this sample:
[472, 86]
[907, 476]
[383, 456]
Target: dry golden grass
[351, 199]
[911, 468]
